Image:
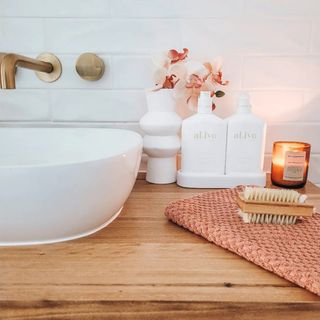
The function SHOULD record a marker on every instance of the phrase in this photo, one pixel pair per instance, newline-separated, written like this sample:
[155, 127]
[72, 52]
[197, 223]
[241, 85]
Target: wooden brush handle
[264, 207]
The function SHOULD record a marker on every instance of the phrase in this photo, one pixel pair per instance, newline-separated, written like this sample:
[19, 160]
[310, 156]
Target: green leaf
[220, 94]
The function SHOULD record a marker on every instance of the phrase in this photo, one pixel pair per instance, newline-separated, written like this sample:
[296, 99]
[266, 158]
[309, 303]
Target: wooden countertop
[144, 267]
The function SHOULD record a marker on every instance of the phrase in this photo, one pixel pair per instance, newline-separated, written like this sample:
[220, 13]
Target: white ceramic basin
[59, 184]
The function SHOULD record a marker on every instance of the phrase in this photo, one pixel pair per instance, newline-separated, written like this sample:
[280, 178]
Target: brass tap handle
[90, 67]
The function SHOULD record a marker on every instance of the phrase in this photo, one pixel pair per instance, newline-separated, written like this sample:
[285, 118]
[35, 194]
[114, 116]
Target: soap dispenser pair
[222, 153]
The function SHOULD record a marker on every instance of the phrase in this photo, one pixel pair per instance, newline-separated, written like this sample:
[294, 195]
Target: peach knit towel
[291, 252]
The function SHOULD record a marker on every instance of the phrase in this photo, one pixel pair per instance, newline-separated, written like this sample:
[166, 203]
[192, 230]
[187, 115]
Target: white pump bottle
[203, 140]
[245, 140]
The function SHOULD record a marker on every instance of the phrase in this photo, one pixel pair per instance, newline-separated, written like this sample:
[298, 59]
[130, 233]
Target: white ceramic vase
[161, 142]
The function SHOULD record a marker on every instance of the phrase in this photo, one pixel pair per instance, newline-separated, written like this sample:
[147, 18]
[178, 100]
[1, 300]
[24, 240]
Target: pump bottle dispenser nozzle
[205, 102]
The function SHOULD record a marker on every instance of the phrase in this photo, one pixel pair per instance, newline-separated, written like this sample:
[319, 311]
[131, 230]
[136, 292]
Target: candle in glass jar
[290, 163]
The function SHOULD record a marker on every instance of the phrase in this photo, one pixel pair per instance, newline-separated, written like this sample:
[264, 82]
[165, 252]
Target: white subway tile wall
[271, 48]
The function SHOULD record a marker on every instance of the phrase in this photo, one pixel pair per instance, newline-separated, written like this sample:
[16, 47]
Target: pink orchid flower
[187, 77]
[203, 81]
[169, 69]
[176, 56]
[194, 82]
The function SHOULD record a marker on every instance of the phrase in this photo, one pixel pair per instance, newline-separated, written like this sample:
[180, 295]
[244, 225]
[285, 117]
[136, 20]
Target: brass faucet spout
[9, 62]
[2, 55]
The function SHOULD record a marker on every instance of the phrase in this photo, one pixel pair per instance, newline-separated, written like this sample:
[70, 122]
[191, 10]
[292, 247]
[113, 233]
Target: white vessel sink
[59, 184]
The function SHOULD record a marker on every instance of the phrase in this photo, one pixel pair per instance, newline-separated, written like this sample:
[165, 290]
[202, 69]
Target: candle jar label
[294, 165]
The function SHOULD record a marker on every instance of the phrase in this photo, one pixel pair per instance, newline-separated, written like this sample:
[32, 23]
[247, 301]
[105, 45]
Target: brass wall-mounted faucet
[2, 55]
[47, 66]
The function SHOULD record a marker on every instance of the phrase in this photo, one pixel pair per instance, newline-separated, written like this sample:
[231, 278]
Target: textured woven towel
[291, 252]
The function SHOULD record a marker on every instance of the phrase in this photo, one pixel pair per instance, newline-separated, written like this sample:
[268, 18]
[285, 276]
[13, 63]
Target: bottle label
[245, 135]
[294, 165]
[204, 135]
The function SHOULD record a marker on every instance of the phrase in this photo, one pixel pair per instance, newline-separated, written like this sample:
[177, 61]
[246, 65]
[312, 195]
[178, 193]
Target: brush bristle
[273, 195]
[267, 218]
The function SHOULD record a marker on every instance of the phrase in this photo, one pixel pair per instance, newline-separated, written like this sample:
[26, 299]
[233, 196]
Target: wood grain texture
[144, 267]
